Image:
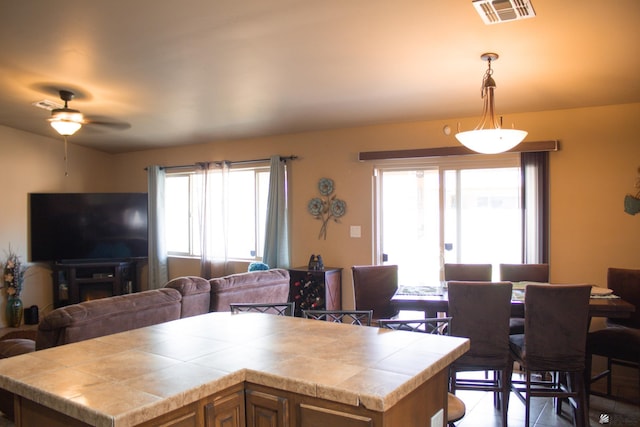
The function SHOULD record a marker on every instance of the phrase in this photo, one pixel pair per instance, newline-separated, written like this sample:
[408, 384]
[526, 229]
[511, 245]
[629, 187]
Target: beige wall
[596, 167]
[29, 164]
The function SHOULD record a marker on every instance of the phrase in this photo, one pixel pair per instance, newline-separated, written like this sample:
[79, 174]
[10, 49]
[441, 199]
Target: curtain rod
[236, 162]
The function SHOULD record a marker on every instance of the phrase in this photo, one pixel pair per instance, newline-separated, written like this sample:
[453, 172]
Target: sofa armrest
[196, 294]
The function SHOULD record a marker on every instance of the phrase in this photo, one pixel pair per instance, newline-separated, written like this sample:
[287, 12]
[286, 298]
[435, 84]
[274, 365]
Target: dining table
[434, 299]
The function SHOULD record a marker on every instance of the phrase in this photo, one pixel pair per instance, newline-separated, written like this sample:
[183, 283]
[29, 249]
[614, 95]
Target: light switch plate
[355, 231]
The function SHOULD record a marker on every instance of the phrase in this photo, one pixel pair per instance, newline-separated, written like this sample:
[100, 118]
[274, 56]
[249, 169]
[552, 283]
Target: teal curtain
[276, 241]
[158, 275]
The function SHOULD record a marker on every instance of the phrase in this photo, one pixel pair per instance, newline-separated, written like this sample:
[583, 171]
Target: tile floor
[621, 412]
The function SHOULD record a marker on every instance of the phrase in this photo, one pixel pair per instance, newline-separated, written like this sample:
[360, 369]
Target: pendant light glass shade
[489, 137]
[65, 127]
[66, 121]
[491, 141]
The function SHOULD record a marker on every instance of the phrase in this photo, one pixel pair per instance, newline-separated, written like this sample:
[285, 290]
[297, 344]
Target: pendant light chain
[66, 157]
[487, 75]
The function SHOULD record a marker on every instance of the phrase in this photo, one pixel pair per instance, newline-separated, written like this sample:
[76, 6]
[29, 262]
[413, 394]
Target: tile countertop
[131, 377]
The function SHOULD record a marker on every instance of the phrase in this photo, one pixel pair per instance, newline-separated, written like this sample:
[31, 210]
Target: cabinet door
[266, 410]
[225, 411]
[314, 416]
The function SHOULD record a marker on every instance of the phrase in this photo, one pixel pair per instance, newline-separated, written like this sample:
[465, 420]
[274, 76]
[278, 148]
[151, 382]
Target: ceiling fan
[67, 121]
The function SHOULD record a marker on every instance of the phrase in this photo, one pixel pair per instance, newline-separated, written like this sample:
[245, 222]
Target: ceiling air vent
[47, 105]
[497, 11]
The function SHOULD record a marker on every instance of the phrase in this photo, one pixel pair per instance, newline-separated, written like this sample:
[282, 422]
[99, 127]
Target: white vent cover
[47, 105]
[497, 11]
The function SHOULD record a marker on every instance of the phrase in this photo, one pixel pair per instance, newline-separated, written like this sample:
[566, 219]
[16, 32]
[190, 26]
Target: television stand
[75, 282]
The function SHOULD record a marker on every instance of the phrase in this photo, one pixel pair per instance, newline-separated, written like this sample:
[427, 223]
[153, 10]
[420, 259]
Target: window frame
[193, 214]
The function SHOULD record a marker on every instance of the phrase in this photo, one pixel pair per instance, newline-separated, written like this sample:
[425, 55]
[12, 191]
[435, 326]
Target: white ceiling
[191, 71]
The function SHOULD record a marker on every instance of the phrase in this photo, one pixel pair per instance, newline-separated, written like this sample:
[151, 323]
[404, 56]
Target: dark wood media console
[82, 281]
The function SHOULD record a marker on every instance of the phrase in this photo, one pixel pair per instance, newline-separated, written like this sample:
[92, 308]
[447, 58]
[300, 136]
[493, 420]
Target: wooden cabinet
[279, 408]
[227, 410]
[266, 409]
[83, 281]
[316, 289]
[254, 405]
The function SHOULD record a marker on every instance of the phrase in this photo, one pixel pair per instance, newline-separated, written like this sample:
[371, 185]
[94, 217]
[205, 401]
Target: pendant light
[489, 137]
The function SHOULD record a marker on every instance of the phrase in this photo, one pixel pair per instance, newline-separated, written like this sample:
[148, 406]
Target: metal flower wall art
[327, 207]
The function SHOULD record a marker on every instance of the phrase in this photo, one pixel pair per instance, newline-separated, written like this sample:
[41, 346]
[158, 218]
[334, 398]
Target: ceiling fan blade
[106, 122]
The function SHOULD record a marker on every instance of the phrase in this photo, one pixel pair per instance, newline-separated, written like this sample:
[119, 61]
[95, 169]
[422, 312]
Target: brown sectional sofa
[201, 296]
[181, 297]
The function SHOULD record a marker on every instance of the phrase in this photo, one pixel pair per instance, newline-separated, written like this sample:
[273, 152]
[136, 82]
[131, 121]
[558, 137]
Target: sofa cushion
[105, 316]
[270, 286]
[196, 294]
[16, 346]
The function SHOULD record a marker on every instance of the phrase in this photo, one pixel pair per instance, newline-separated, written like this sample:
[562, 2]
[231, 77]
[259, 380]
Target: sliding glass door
[454, 211]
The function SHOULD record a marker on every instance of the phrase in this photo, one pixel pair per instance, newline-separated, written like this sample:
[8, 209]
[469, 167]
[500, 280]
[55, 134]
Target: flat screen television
[75, 227]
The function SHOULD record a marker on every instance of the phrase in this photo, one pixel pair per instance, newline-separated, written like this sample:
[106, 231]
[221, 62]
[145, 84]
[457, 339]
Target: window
[453, 210]
[242, 195]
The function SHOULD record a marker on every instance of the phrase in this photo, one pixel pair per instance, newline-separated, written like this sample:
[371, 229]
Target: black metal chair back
[435, 325]
[280, 309]
[353, 317]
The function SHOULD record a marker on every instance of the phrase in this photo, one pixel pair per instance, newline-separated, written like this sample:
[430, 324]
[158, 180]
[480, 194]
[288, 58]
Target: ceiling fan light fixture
[66, 121]
[489, 137]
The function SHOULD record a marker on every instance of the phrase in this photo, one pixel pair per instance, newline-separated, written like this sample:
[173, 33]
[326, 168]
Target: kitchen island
[236, 370]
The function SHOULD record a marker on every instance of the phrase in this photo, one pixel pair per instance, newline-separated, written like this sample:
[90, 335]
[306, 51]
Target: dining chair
[480, 311]
[373, 287]
[556, 325]
[281, 309]
[456, 408]
[468, 272]
[619, 341]
[353, 317]
[522, 273]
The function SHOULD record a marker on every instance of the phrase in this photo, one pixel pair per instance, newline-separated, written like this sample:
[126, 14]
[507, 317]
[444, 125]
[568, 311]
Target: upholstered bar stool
[522, 273]
[468, 272]
[480, 311]
[556, 325]
[373, 287]
[619, 342]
